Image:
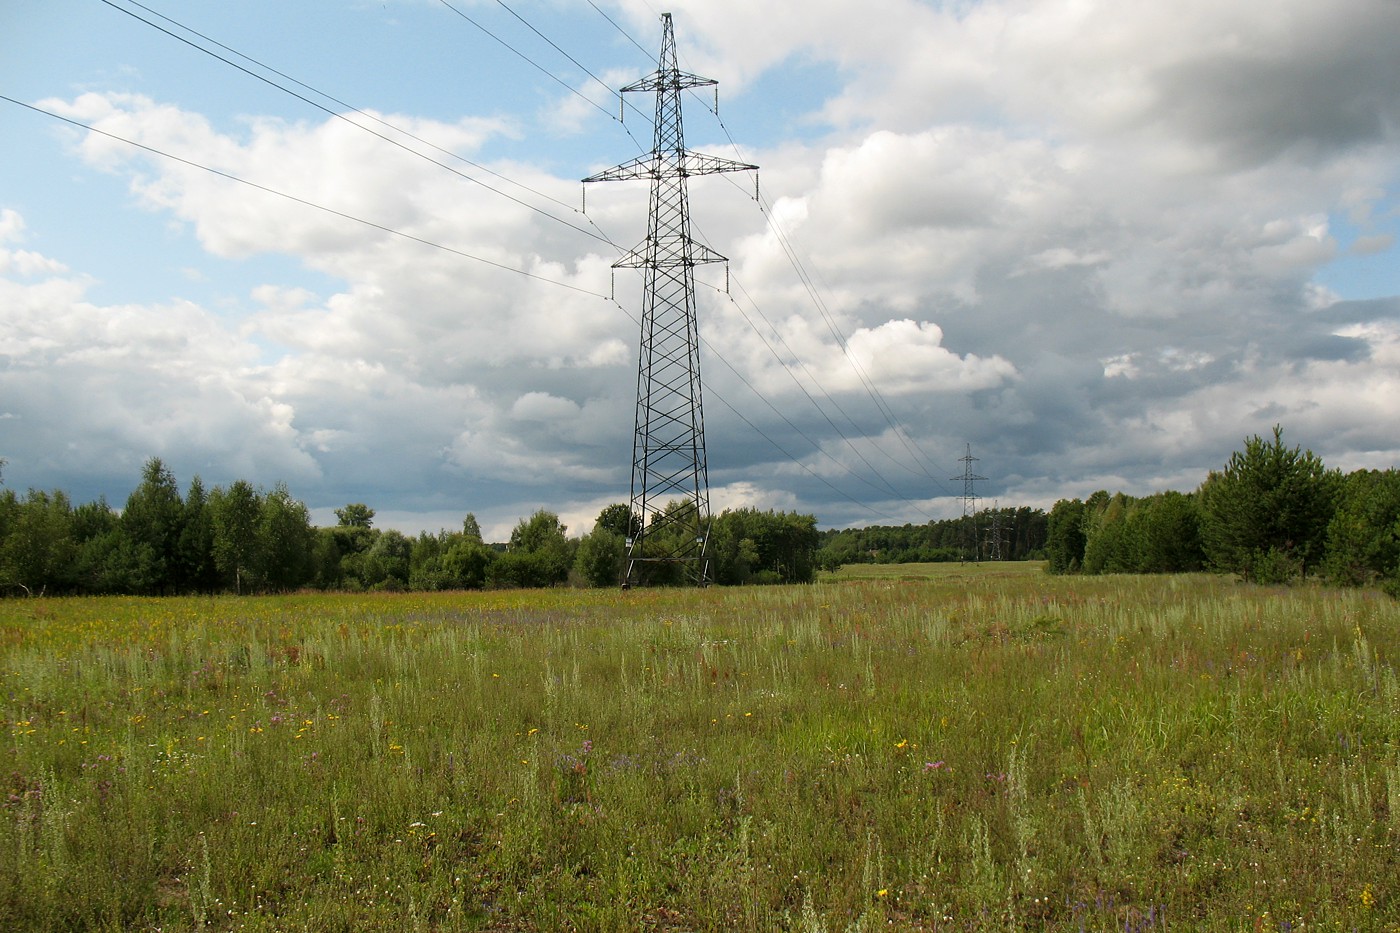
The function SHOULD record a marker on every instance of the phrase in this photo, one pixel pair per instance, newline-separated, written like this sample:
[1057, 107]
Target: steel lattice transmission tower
[670, 482]
[997, 535]
[969, 500]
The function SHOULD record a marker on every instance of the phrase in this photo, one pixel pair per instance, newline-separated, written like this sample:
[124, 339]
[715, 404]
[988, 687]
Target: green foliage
[1109, 545]
[450, 561]
[1260, 517]
[539, 552]
[152, 520]
[1170, 534]
[600, 556]
[1064, 544]
[385, 566]
[195, 566]
[751, 546]
[37, 549]
[110, 562]
[235, 515]
[942, 747]
[1023, 538]
[425, 571]
[1363, 538]
[1123, 534]
[96, 530]
[285, 540]
[527, 569]
[669, 546]
[1268, 509]
[540, 532]
[355, 515]
[327, 572]
[619, 519]
[468, 563]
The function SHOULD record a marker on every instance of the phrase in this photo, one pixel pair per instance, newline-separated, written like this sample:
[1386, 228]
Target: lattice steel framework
[997, 535]
[969, 503]
[670, 481]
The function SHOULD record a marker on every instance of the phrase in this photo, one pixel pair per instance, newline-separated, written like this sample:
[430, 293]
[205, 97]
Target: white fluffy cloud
[1083, 236]
[89, 387]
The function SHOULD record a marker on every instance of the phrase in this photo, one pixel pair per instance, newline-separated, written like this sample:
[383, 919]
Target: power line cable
[549, 74]
[834, 329]
[462, 253]
[864, 377]
[625, 33]
[601, 83]
[339, 116]
[763, 434]
[790, 251]
[351, 107]
[602, 237]
[888, 487]
[304, 201]
[529, 61]
[788, 421]
[457, 252]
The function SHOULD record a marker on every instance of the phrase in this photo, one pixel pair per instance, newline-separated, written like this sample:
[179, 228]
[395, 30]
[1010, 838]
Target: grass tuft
[948, 747]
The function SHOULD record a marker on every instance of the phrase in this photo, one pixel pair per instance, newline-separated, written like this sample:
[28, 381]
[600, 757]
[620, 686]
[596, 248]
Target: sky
[1095, 244]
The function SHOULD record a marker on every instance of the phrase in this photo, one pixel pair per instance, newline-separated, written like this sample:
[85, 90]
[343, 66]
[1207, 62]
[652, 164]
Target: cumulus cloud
[96, 386]
[1083, 237]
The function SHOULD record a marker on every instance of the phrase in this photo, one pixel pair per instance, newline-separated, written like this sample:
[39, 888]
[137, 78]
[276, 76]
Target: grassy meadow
[904, 748]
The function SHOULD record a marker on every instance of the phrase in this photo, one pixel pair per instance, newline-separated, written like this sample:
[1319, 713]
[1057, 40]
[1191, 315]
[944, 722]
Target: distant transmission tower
[969, 502]
[995, 536]
[670, 482]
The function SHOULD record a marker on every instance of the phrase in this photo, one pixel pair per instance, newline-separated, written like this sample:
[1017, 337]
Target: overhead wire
[339, 116]
[882, 405]
[552, 44]
[788, 421]
[351, 107]
[789, 250]
[299, 200]
[834, 329]
[600, 236]
[625, 33]
[840, 338]
[622, 98]
[888, 487]
[764, 434]
[910, 445]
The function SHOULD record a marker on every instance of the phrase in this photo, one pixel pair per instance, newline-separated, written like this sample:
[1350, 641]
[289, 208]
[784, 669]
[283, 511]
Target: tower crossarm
[658, 165]
[645, 256]
[668, 441]
[669, 80]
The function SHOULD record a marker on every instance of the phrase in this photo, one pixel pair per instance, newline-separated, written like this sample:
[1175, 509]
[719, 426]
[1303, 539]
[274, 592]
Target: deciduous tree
[544, 538]
[1064, 537]
[285, 540]
[1363, 538]
[235, 514]
[151, 521]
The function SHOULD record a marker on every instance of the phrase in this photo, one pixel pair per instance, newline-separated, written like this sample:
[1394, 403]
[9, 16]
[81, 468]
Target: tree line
[1271, 514]
[242, 539]
[1012, 534]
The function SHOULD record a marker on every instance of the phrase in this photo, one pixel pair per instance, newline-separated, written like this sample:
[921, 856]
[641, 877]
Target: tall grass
[981, 747]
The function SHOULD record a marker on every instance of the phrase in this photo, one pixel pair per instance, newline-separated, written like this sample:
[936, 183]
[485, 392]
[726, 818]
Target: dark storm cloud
[1307, 93]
